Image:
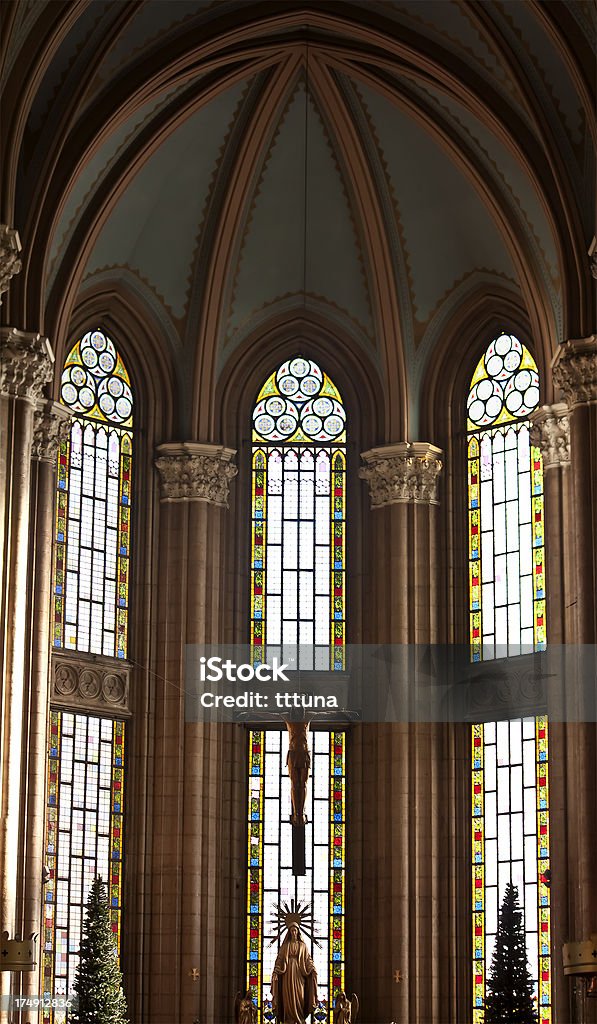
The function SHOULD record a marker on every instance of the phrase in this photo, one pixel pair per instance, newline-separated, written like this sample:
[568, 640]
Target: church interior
[298, 350]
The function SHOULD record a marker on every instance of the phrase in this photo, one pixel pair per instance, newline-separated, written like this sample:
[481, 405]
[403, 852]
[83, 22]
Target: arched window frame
[84, 833]
[328, 749]
[504, 390]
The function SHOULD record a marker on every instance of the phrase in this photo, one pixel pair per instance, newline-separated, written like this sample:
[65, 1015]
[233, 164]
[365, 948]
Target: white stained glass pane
[511, 468]
[526, 551]
[289, 594]
[490, 816]
[306, 545]
[516, 836]
[322, 520]
[322, 573]
[487, 564]
[503, 789]
[306, 490]
[290, 497]
[306, 595]
[274, 570]
[489, 732]
[529, 811]
[273, 621]
[514, 624]
[486, 506]
[322, 620]
[490, 769]
[529, 758]
[528, 729]
[488, 608]
[499, 492]
[530, 857]
[486, 457]
[501, 626]
[524, 498]
[306, 639]
[524, 447]
[502, 743]
[499, 521]
[491, 862]
[512, 526]
[491, 911]
[289, 632]
[274, 520]
[290, 546]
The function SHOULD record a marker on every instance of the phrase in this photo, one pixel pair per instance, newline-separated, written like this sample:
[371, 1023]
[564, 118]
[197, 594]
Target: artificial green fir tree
[98, 980]
[509, 985]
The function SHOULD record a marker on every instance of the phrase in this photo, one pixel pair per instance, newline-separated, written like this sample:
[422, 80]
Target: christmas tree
[510, 987]
[98, 981]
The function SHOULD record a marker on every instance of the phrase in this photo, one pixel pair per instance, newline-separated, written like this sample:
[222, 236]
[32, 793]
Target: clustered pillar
[197, 865]
[570, 496]
[402, 815]
[26, 367]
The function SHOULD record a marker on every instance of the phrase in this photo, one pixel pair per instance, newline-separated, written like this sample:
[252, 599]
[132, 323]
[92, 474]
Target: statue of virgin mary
[294, 980]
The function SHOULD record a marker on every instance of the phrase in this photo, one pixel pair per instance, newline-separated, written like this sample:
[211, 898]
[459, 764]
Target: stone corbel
[10, 263]
[26, 364]
[51, 426]
[574, 368]
[550, 432]
[402, 473]
[195, 472]
[91, 684]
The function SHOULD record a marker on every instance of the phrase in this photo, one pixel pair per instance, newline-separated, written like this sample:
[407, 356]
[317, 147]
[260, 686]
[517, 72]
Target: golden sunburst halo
[295, 912]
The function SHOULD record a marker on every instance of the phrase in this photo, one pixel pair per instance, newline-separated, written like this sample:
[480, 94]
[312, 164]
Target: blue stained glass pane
[255, 771]
[337, 908]
[121, 654]
[337, 771]
[123, 550]
[478, 905]
[258, 615]
[60, 535]
[52, 800]
[254, 862]
[254, 908]
[114, 901]
[253, 956]
[337, 565]
[125, 499]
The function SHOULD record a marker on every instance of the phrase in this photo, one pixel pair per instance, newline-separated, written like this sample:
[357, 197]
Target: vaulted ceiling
[375, 165]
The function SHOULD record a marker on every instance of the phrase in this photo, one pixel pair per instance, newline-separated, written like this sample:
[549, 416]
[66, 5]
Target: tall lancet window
[510, 822]
[91, 575]
[86, 752]
[298, 586]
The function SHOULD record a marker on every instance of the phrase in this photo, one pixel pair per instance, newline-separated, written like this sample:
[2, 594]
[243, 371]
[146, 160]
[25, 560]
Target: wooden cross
[194, 973]
[398, 977]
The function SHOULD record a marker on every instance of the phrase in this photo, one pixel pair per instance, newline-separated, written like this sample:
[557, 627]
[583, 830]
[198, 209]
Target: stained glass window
[270, 861]
[299, 516]
[510, 791]
[298, 587]
[93, 514]
[84, 818]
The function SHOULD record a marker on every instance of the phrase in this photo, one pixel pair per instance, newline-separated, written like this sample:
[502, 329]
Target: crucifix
[298, 762]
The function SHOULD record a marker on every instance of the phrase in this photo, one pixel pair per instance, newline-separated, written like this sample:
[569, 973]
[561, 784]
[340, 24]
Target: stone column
[25, 368]
[550, 432]
[404, 832]
[574, 743]
[51, 426]
[196, 900]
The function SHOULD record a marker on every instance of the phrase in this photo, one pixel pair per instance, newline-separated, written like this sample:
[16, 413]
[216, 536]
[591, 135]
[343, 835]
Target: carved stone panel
[93, 684]
[402, 473]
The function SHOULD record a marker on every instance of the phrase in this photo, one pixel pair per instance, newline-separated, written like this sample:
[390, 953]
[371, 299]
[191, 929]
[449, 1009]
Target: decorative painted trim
[90, 684]
[26, 363]
[51, 425]
[574, 369]
[10, 264]
[403, 472]
[550, 432]
[195, 472]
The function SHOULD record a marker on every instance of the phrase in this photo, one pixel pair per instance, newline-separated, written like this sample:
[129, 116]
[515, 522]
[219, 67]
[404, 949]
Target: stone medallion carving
[90, 683]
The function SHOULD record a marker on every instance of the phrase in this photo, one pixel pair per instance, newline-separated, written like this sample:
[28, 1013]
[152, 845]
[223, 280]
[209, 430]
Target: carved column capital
[574, 369]
[401, 473]
[550, 432]
[10, 264]
[26, 363]
[51, 425]
[195, 472]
